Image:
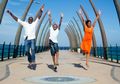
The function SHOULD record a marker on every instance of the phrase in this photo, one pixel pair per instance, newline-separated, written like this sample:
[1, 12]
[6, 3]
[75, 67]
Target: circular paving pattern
[60, 80]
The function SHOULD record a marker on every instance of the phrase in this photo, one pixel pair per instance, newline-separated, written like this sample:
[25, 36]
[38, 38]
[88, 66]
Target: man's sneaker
[29, 66]
[55, 68]
[34, 66]
[57, 64]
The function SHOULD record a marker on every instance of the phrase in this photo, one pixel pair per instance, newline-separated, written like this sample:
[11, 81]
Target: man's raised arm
[12, 15]
[50, 18]
[61, 18]
[40, 11]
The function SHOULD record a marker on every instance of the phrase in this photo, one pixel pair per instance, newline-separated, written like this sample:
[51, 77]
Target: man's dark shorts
[53, 47]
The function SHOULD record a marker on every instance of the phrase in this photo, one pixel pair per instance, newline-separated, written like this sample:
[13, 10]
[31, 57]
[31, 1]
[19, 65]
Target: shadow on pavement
[51, 67]
[28, 63]
[79, 66]
[105, 62]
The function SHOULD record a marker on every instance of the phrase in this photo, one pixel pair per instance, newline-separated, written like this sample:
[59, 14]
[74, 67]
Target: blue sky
[109, 17]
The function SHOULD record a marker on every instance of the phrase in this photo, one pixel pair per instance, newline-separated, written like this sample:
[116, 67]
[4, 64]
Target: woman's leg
[87, 59]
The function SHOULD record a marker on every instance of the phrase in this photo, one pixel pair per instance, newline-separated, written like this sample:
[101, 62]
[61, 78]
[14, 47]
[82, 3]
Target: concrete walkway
[71, 64]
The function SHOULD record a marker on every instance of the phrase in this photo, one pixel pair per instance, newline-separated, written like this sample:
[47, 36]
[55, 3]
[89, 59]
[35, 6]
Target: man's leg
[56, 53]
[33, 50]
[53, 57]
[52, 50]
[27, 49]
[33, 54]
[57, 58]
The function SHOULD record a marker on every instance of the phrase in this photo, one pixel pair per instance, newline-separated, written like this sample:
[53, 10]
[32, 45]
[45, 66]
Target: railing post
[38, 48]
[101, 51]
[95, 51]
[14, 52]
[9, 48]
[23, 50]
[102, 48]
[41, 48]
[2, 58]
[20, 49]
[105, 53]
[111, 53]
[117, 53]
[35, 49]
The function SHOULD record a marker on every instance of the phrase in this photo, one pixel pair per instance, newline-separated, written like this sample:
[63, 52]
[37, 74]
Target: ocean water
[9, 52]
[112, 52]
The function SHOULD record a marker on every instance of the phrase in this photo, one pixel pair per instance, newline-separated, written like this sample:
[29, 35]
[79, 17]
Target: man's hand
[99, 13]
[8, 11]
[50, 18]
[80, 11]
[49, 13]
[61, 15]
[12, 15]
[40, 12]
[42, 8]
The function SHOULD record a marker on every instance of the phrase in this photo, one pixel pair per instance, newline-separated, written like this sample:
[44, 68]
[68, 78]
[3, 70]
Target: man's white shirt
[30, 29]
[54, 34]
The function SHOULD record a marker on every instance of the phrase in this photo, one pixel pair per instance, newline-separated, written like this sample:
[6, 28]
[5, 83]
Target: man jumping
[30, 30]
[53, 42]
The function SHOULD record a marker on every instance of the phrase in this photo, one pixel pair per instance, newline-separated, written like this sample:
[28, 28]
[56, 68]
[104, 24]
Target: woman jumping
[87, 39]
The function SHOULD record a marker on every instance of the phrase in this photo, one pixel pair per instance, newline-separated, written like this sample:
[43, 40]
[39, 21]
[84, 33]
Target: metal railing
[8, 51]
[113, 53]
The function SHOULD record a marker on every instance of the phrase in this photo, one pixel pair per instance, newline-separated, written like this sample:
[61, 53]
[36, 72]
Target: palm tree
[2, 8]
[103, 34]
